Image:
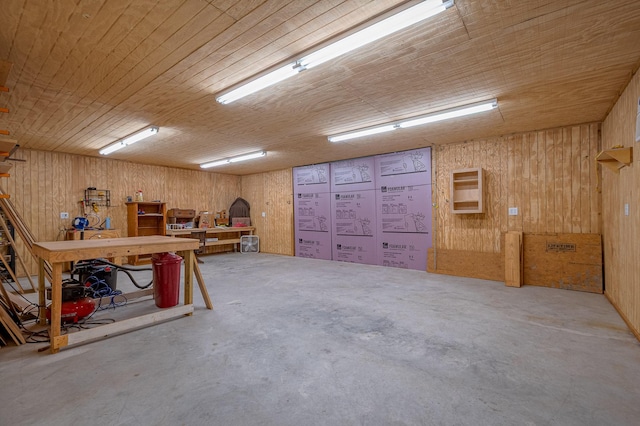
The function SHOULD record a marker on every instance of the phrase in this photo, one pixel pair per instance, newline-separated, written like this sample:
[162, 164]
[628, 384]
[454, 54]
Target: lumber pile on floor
[10, 306]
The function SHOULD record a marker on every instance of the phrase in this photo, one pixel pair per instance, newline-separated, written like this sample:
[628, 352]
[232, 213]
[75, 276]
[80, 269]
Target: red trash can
[166, 279]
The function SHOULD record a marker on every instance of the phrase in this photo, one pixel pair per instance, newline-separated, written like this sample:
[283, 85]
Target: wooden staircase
[10, 305]
[7, 146]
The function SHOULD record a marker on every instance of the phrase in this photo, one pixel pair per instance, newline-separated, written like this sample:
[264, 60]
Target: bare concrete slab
[306, 342]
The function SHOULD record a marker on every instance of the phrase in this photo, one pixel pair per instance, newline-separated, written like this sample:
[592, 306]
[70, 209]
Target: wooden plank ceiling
[84, 73]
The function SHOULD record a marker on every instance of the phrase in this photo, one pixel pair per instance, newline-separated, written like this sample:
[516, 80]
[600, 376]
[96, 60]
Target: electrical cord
[42, 336]
[99, 289]
[19, 317]
[30, 336]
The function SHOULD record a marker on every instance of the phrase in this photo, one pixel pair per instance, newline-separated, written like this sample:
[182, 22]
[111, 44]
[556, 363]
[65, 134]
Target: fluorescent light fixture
[214, 164]
[129, 140]
[360, 36]
[364, 132]
[260, 83]
[371, 33]
[419, 120]
[112, 148]
[450, 113]
[247, 156]
[234, 159]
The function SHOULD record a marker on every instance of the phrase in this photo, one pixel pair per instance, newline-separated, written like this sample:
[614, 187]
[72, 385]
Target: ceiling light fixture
[244, 157]
[363, 132]
[389, 23]
[129, 140]
[259, 83]
[419, 120]
[396, 22]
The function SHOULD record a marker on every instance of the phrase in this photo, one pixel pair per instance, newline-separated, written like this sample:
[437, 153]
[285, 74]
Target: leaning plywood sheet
[463, 263]
[513, 259]
[568, 261]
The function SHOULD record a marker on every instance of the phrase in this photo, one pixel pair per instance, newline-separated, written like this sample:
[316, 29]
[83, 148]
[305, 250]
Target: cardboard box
[205, 220]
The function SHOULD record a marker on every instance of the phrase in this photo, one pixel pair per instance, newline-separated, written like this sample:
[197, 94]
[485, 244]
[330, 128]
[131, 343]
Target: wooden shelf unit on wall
[467, 190]
[145, 219]
[615, 158]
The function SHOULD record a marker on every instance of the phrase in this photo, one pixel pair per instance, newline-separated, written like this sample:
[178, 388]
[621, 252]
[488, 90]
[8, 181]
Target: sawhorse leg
[203, 288]
[190, 268]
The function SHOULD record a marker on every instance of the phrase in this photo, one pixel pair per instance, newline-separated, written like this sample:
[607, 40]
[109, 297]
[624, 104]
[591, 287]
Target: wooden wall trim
[620, 232]
[632, 327]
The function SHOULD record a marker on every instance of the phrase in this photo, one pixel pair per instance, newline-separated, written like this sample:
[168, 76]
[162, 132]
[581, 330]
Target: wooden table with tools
[215, 236]
[57, 253]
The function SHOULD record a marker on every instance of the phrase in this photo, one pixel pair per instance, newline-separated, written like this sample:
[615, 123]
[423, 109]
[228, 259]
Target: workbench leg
[203, 288]
[188, 277]
[56, 306]
[42, 308]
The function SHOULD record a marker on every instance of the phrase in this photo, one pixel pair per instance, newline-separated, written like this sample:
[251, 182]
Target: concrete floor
[306, 342]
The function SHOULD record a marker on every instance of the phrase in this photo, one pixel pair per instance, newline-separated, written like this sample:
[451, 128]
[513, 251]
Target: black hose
[123, 269]
[106, 262]
[134, 281]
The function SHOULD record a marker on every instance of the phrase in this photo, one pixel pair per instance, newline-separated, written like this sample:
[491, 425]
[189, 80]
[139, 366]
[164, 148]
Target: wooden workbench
[91, 234]
[230, 235]
[59, 252]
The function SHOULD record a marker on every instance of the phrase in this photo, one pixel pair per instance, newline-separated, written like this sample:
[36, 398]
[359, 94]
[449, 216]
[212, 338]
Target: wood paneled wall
[550, 176]
[271, 193]
[48, 183]
[621, 233]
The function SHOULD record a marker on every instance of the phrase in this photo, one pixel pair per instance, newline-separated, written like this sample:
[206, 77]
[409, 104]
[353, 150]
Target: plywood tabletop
[65, 251]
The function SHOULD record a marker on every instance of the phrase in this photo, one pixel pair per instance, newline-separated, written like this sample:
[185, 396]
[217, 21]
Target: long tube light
[129, 140]
[363, 132]
[361, 36]
[244, 157]
[371, 33]
[418, 120]
[260, 83]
